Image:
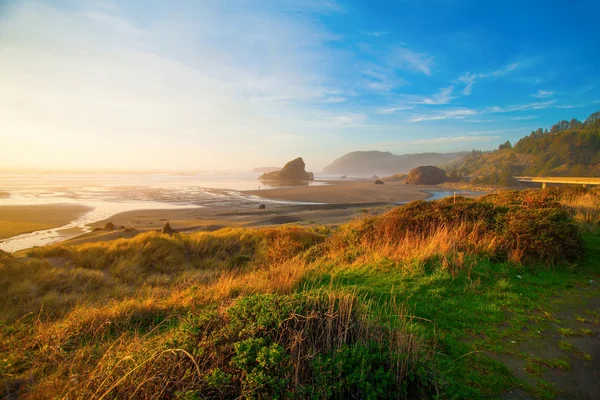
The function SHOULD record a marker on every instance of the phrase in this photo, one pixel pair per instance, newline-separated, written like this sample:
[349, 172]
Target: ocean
[110, 194]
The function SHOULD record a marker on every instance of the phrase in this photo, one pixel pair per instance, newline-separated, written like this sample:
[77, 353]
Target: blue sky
[231, 85]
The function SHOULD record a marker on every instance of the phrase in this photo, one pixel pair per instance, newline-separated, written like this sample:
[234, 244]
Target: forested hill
[569, 148]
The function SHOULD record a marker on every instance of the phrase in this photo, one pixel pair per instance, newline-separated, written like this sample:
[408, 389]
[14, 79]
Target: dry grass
[585, 208]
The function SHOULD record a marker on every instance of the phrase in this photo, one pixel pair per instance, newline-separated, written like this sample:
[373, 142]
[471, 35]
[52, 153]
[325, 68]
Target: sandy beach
[333, 203]
[15, 220]
[349, 192]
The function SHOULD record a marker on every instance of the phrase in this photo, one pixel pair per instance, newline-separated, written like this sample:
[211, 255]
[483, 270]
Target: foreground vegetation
[421, 302]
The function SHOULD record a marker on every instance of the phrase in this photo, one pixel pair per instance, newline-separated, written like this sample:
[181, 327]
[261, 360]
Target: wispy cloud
[451, 139]
[381, 79]
[521, 107]
[443, 96]
[392, 110]
[504, 70]
[404, 58]
[542, 94]
[334, 99]
[348, 119]
[524, 118]
[469, 79]
[377, 34]
[447, 114]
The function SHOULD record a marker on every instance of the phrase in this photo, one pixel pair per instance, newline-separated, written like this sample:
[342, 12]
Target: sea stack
[292, 171]
[427, 175]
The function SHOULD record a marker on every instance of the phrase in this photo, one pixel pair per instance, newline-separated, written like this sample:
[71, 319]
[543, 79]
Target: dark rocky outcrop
[109, 226]
[427, 175]
[292, 171]
[262, 207]
[168, 230]
[379, 182]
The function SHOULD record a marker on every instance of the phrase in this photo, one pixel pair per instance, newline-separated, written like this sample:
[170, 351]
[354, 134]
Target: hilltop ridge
[384, 163]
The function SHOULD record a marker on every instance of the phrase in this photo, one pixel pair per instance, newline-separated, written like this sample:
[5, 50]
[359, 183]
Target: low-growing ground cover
[448, 299]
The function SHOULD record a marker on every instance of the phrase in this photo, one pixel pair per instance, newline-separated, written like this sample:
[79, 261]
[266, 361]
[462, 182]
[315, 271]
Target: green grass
[472, 323]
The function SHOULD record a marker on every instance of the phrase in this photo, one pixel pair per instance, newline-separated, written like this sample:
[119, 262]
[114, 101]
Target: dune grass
[414, 303]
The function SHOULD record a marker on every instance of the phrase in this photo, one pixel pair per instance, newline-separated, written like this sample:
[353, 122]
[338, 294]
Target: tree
[505, 145]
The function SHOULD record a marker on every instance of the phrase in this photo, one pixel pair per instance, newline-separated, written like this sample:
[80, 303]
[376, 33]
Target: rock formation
[262, 207]
[109, 226]
[427, 175]
[379, 182]
[292, 171]
[168, 230]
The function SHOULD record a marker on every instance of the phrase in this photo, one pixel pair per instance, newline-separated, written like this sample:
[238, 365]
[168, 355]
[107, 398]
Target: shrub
[319, 344]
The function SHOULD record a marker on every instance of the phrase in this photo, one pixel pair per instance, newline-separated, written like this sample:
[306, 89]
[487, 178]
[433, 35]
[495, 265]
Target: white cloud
[443, 96]
[469, 79]
[392, 110]
[542, 94]
[521, 107]
[448, 114]
[524, 118]
[381, 79]
[450, 139]
[404, 58]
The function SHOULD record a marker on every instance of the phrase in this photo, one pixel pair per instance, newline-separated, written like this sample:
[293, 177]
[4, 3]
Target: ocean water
[109, 194]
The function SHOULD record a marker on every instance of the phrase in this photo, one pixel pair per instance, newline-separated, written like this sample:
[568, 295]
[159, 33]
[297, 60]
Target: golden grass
[585, 208]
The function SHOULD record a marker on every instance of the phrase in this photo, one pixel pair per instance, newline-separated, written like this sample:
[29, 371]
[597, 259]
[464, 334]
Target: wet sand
[351, 192]
[15, 220]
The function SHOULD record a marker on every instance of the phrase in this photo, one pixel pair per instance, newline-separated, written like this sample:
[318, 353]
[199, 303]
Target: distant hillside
[569, 148]
[262, 170]
[368, 163]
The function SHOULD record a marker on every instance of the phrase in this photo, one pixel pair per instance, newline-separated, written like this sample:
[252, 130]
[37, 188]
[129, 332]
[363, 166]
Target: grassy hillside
[421, 302]
[569, 148]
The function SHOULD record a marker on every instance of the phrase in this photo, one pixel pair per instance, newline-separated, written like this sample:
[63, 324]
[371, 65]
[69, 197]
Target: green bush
[309, 345]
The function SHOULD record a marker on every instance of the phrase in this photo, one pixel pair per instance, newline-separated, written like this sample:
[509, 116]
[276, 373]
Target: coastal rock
[343, 177]
[292, 171]
[109, 226]
[379, 182]
[375, 177]
[262, 207]
[168, 230]
[426, 175]
[129, 229]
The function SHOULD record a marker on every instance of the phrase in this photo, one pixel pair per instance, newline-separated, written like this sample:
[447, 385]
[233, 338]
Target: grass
[421, 302]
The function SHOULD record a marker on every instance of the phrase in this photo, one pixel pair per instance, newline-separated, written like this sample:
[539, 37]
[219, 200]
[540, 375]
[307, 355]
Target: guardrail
[559, 179]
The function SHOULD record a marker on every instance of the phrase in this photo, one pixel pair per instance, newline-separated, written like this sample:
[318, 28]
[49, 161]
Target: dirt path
[558, 354]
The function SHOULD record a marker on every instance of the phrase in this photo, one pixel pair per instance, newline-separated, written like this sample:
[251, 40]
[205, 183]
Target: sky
[210, 85]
